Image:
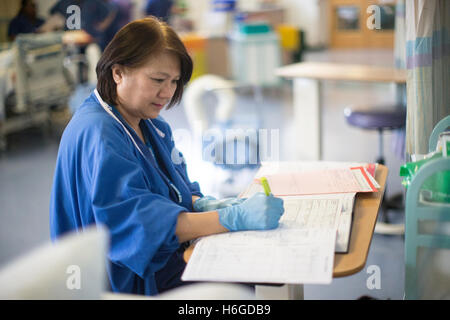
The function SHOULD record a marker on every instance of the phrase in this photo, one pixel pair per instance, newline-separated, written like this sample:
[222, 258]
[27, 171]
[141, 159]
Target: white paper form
[300, 250]
[343, 221]
[344, 228]
[311, 213]
[332, 211]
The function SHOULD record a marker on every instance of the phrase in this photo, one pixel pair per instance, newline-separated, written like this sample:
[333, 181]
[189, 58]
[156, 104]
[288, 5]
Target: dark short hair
[132, 46]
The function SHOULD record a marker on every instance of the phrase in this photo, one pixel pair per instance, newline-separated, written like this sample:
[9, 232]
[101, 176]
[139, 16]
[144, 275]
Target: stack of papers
[292, 253]
[320, 180]
[318, 201]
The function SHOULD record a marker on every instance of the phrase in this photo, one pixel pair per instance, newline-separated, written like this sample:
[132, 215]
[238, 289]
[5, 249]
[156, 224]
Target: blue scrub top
[92, 13]
[101, 178]
[159, 8]
[21, 24]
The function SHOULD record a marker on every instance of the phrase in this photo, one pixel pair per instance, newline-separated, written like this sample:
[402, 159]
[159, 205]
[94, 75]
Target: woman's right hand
[259, 212]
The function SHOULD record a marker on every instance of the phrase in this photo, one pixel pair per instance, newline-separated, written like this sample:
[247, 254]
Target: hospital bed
[34, 82]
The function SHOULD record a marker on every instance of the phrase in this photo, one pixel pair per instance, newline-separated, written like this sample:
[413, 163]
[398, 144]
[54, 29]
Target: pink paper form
[321, 182]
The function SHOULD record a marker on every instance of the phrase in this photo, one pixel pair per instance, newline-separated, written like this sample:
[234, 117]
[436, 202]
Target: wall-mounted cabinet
[361, 23]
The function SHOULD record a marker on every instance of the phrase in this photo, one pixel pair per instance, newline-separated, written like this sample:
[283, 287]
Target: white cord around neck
[108, 109]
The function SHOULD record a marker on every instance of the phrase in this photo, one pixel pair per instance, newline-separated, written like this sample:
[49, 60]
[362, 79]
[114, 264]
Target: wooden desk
[307, 77]
[365, 214]
[339, 71]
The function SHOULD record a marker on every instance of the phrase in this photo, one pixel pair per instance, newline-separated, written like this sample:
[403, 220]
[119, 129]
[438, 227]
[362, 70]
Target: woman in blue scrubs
[26, 20]
[118, 166]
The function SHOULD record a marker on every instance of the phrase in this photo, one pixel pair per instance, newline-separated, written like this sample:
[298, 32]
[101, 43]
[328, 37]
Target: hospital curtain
[398, 139]
[428, 69]
[400, 35]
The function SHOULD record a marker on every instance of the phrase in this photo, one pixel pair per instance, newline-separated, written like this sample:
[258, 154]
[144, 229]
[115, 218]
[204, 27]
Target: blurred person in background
[98, 18]
[123, 9]
[26, 20]
[159, 8]
[172, 12]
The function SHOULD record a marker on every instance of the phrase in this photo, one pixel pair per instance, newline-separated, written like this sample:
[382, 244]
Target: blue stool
[381, 118]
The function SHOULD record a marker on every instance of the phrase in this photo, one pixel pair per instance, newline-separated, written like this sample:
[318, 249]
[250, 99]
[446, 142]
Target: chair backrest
[72, 268]
[440, 127]
[41, 76]
[196, 291]
[427, 238]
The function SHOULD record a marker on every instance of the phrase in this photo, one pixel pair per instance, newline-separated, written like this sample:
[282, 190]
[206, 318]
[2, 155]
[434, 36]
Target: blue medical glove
[209, 203]
[259, 212]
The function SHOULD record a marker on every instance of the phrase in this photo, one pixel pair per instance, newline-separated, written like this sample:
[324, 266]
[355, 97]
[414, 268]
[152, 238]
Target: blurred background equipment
[227, 141]
[40, 83]
[255, 54]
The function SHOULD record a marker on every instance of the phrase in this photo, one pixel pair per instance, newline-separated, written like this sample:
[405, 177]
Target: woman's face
[144, 91]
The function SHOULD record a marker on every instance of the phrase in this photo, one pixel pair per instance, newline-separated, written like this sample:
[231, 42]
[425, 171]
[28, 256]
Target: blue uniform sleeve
[102, 9]
[141, 223]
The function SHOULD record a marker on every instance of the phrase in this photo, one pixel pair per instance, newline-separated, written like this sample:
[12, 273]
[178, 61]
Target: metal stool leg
[380, 159]
[384, 226]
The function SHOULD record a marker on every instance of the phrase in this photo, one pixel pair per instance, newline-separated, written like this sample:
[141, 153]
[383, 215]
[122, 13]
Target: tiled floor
[26, 172]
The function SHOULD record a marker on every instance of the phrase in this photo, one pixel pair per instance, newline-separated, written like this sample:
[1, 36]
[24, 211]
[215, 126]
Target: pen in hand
[265, 185]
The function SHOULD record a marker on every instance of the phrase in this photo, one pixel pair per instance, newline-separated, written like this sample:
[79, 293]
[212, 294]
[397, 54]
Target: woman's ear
[117, 73]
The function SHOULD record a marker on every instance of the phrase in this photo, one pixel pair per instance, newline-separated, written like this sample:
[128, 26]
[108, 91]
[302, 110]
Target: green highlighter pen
[265, 185]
